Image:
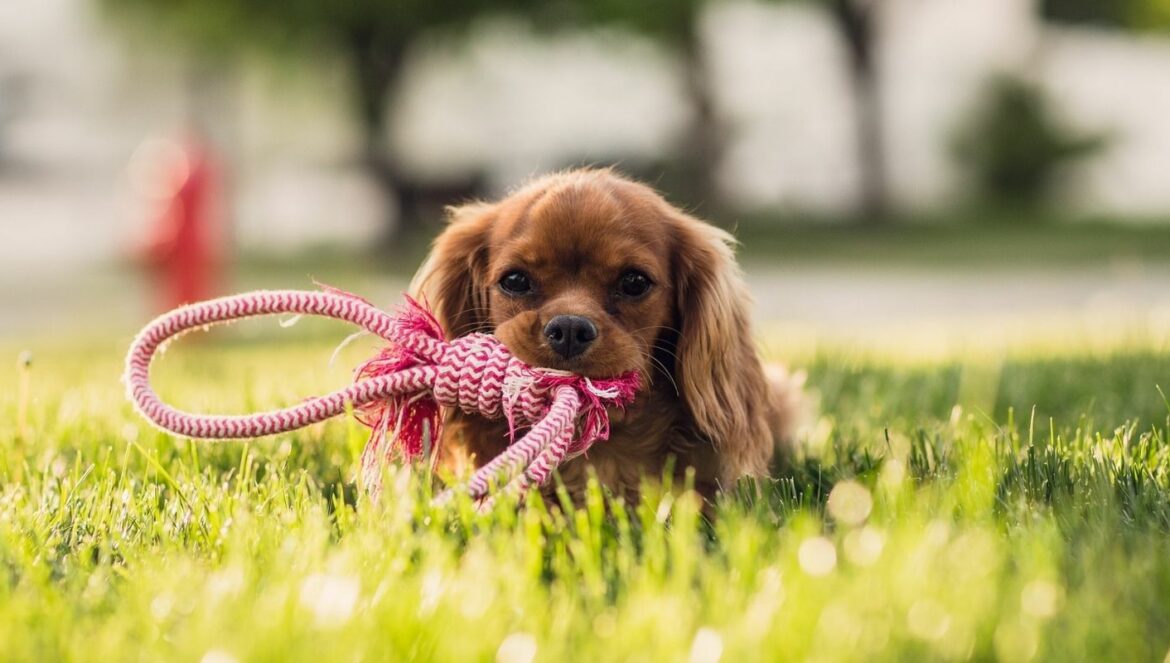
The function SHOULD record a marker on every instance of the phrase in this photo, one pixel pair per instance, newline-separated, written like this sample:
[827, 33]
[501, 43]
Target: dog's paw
[793, 407]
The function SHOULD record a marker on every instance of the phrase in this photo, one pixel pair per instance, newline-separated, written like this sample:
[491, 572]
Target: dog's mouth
[580, 365]
[589, 364]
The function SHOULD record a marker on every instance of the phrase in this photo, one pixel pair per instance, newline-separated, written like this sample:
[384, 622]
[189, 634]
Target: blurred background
[987, 168]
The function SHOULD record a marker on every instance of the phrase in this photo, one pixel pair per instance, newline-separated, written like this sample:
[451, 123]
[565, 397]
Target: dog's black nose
[570, 335]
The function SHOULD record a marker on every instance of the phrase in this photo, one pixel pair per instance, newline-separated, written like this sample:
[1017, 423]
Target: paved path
[829, 303]
[845, 303]
[836, 296]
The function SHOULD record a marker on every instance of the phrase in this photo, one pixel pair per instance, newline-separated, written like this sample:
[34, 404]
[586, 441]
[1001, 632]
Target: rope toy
[399, 392]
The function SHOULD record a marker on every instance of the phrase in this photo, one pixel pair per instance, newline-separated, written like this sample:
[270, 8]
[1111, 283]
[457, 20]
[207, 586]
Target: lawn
[959, 508]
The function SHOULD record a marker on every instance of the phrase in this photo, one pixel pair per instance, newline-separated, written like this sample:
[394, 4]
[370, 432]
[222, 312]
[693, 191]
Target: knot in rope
[479, 375]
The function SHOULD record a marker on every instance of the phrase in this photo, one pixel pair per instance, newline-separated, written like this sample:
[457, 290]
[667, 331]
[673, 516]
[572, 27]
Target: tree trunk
[377, 63]
[856, 21]
[705, 138]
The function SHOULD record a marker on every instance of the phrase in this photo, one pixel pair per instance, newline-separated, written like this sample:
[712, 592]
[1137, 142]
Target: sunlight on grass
[1012, 506]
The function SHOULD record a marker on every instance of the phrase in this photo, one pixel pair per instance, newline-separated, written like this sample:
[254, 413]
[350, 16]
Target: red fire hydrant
[185, 244]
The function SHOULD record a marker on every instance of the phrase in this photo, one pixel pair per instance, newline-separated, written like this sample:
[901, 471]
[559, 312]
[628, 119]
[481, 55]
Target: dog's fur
[709, 403]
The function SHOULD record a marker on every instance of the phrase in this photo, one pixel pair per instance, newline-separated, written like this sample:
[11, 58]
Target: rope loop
[399, 392]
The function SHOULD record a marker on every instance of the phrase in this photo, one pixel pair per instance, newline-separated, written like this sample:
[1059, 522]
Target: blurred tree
[371, 37]
[855, 21]
[675, 25]
[1014, 146]
[1127, 14]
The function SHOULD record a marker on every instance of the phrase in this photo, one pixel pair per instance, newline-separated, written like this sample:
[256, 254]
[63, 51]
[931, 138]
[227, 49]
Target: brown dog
[590, 272]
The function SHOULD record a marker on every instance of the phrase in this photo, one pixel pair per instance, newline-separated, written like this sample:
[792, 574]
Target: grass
[1016, 510]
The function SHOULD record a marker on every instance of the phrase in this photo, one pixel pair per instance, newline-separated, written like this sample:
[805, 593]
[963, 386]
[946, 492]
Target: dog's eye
[634, 283]
[516, 283]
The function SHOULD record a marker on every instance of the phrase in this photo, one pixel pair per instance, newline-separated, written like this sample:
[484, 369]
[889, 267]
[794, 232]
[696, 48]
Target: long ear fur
[452, 280]
[718, 370]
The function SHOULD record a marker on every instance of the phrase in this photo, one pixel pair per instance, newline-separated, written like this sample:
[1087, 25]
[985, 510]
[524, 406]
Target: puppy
[593, 273]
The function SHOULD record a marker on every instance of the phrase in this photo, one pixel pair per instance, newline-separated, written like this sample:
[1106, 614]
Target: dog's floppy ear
[718, 371]
[453, 279]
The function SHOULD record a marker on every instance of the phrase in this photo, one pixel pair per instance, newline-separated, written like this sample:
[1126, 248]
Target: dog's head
[590, 272]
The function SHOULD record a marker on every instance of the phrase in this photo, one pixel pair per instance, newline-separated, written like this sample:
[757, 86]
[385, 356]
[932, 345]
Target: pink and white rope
[475, 373]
